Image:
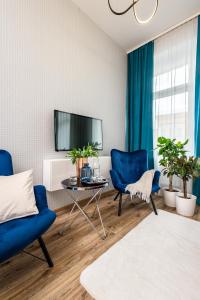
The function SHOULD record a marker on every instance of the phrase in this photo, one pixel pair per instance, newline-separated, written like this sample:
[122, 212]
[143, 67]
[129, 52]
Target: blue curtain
[139, 119]
[196, 185]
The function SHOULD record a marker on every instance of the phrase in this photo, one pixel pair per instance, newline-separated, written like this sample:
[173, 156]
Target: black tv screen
[76, 131]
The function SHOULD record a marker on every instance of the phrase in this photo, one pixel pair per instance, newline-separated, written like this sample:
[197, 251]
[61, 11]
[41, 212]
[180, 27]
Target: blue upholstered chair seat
[122, 186]
[19, 233]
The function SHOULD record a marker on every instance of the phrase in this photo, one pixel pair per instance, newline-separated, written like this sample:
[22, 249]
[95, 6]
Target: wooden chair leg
[116, 196]
[120, 205]
[153, 205]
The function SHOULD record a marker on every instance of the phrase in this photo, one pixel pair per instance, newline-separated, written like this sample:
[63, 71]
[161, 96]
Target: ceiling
[125, 31]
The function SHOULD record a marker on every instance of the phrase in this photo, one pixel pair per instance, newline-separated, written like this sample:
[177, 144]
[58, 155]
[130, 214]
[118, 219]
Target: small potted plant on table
[186, 168]
[79, 156]
[169, 150]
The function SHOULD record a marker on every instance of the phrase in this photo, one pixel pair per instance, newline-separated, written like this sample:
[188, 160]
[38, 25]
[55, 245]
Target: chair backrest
[130, 166]
[6, 167]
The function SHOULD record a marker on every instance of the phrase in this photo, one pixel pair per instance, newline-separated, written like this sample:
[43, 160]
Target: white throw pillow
[17, 197]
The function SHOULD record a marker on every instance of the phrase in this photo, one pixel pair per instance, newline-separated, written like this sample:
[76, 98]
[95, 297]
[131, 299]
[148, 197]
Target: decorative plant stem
[185, 187]
[171, 183]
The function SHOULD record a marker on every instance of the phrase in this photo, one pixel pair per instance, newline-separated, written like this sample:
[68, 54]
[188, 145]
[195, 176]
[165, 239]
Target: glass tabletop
[82, 186]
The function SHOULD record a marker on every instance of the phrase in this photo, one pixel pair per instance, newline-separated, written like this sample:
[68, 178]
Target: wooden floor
[27, 278]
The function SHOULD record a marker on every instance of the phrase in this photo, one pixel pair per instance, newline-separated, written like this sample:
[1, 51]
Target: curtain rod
[164, 32]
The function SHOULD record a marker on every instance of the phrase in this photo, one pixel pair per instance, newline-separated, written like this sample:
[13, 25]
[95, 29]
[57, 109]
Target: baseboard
[61, 210]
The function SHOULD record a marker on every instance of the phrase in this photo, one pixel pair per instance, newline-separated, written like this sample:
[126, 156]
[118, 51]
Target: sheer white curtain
[174, 85]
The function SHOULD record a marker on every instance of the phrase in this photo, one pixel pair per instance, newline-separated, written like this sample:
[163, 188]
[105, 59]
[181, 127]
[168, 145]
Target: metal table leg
[96, 197]
[97, 206]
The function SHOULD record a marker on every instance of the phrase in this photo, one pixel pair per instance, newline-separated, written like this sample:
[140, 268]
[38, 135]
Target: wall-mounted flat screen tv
[76, 131]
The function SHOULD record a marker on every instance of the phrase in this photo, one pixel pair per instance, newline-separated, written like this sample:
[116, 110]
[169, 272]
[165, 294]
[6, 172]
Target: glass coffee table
[96, 189]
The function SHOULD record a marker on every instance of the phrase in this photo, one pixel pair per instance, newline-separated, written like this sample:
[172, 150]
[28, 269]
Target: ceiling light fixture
[140, 21]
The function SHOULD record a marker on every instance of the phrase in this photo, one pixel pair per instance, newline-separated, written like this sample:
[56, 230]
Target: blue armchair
[128, 167]
[16, 234]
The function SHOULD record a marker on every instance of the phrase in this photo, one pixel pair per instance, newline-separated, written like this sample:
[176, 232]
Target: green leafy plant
[85, 152]
[187, 168]
[89, 151]
[74, 154]
[169, 150]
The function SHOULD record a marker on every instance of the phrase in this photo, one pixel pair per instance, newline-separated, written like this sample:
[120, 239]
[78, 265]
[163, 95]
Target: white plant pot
[169, 198]
[185, 206]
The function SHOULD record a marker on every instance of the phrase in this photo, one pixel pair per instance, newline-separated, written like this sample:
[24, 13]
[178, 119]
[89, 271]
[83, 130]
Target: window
[171, 104]
[174, 82]
[174, 86]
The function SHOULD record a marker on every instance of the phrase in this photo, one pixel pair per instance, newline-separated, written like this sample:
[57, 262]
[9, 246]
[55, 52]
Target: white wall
[53, 57]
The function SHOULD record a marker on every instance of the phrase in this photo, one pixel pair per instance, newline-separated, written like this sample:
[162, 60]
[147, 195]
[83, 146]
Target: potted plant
[169, 150]
[79, 156]
[186, 168]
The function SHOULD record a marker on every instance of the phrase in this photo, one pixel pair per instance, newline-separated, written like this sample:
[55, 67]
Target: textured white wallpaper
[53, 57]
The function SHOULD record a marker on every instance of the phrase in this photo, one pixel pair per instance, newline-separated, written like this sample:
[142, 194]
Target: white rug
[158, 260]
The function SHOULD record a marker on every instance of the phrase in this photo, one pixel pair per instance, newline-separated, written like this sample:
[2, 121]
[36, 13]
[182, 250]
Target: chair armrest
[40, 197]
[115, 179]
[156, 177]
